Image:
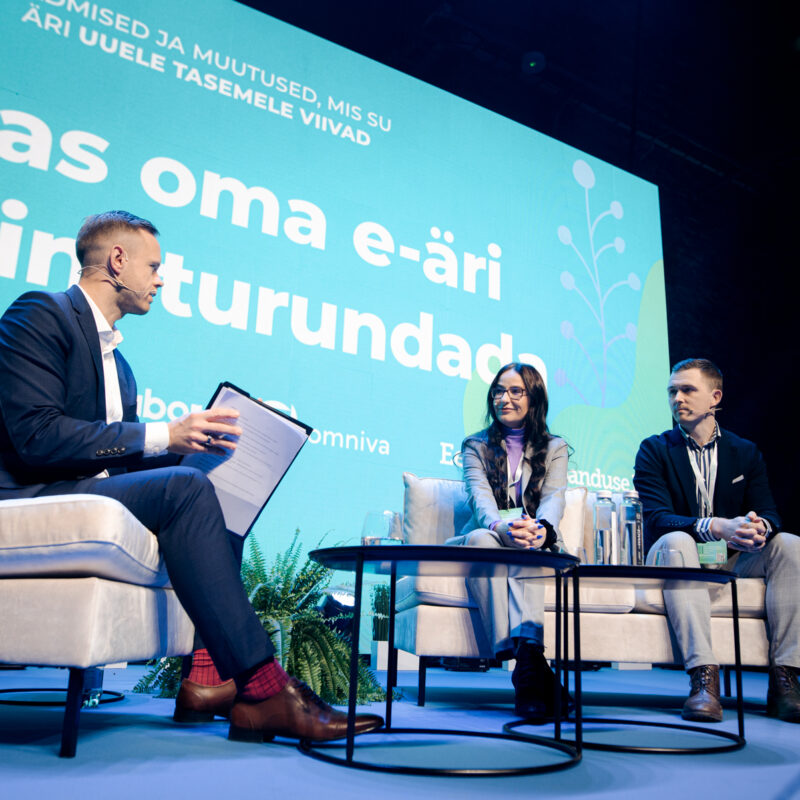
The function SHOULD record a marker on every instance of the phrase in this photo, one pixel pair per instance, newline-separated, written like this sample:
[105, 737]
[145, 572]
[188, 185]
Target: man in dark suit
[68, 425]
[700, 484]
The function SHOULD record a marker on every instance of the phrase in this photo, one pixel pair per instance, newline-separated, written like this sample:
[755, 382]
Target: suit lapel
[727, 468]
[127, 387]
[83, 313]
[680, 461]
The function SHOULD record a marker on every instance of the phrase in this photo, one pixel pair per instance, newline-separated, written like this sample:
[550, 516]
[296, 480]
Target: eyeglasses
[514, 392]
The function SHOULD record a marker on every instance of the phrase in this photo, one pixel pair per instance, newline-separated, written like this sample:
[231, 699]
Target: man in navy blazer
[68, 425]
[700, 484]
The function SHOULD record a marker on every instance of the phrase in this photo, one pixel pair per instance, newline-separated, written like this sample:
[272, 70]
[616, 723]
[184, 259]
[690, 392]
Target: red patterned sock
[203, 670]
[266, 681]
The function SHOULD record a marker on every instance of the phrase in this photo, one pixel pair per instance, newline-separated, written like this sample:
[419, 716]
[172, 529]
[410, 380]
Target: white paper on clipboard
[245, 479]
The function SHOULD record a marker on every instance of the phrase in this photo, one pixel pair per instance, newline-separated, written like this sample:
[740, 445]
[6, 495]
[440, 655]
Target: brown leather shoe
[783, 695]
[295, 712]
[702, 704]
[198, 703]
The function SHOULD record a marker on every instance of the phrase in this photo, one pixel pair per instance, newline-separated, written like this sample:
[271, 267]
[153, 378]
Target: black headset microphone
[118, 282]
[121, 284]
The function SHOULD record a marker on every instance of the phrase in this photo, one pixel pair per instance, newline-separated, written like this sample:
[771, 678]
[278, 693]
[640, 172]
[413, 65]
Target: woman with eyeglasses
[516, 474]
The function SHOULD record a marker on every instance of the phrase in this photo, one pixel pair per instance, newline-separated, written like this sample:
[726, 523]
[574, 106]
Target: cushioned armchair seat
[82, 585]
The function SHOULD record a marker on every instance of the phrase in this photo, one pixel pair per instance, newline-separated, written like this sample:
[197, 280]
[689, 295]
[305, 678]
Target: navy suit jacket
[52, 397]
[666, 484]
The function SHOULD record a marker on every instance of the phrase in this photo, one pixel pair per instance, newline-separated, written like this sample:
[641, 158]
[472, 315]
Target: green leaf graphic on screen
[608, 437]
[595, 294]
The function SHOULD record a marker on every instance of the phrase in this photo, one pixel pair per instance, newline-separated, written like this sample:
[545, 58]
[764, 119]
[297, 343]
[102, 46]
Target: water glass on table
[382, 527]
[669, 557]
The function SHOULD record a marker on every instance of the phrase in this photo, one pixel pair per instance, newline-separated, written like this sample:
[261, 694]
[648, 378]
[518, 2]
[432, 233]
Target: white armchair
[435, 616]
[82, 585]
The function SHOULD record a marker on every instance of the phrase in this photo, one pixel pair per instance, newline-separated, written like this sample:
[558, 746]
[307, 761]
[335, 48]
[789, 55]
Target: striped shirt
[704, 455]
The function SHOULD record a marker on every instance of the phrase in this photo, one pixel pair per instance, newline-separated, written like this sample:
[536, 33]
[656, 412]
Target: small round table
[443, 561]
[643, 577]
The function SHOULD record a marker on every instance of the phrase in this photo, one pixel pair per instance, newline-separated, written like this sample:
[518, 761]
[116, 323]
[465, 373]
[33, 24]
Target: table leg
[576, 638]
[565, 628]
[356, 632]
[737, 654]
[391, 673]
[557, 688]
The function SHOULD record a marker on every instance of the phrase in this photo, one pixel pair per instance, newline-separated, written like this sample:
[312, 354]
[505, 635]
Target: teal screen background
[302, 190]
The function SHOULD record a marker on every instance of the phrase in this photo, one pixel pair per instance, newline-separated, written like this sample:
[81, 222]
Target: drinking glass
[382, 527]
[668, 557]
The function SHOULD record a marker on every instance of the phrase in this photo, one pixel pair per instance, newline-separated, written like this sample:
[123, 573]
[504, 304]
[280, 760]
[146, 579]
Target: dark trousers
[179, 506]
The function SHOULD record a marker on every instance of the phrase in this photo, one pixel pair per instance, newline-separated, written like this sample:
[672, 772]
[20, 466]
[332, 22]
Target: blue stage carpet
[132, 749]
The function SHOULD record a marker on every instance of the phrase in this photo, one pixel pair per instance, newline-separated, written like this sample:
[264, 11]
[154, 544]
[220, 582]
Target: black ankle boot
[535, 686]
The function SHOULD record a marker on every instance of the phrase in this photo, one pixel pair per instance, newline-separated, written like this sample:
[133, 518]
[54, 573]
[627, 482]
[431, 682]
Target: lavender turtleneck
[515, 444]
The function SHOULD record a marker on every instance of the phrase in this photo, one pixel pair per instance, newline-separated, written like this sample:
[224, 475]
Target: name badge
[712, 552]
[507, 514]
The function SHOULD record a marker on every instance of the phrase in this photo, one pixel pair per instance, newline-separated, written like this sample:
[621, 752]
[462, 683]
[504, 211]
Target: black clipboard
[241, 513]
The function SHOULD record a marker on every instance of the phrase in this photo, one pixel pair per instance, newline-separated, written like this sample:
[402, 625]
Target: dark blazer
[666, 484]
[52, 396]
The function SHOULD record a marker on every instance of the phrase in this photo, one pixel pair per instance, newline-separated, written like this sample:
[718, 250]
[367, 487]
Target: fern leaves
[285, 596]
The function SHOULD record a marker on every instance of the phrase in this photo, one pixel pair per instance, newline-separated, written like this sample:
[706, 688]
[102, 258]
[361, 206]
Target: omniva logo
[359, 442]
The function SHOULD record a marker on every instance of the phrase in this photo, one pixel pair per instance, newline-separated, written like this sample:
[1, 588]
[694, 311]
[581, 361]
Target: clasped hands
[526, 533]
[747, 533]
[204, 431]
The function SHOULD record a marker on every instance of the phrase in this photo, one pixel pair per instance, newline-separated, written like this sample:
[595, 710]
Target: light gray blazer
[474, 452]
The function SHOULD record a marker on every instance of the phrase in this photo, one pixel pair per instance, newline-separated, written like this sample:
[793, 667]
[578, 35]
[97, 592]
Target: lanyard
[706, 492]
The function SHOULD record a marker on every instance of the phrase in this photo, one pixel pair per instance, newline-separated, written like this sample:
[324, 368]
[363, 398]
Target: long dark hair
[536, 434]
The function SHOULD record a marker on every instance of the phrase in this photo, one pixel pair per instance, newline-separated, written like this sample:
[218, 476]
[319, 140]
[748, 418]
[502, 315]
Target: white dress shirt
[156, 434]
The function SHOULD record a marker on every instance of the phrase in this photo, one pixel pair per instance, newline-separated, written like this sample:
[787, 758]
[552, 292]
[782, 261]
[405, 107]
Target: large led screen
[356, 246]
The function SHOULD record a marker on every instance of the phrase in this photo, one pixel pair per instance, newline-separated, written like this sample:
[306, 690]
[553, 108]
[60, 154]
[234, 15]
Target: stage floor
[133, 749]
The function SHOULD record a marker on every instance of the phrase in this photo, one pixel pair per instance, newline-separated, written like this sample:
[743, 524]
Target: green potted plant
[285, 596]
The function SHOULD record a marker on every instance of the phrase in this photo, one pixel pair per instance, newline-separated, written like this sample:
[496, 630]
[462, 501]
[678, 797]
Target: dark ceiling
[644, 85]
[697, 96]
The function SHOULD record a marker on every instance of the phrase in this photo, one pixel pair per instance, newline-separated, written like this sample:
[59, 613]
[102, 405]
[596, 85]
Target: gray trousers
[509, 607]
[689, 610]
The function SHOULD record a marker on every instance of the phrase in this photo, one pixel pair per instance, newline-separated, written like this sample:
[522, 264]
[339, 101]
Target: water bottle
[631, 529]
[606, 544]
